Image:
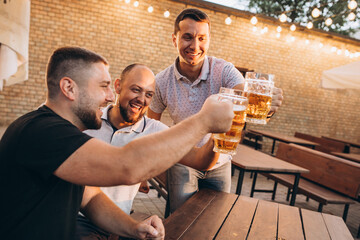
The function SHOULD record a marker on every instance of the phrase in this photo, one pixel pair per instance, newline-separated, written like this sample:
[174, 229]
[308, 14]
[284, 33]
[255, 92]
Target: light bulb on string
[333, 49]
[351, 16]
[292, 39]
[228, 20]
[321, 45]
[347, 53]
[150, 9]
[293, 27]
[283, 17]
[166, 14]
[127, 1]
[315, 12]
[328, 21]
[307, 42]
[278, 35]
[339, 52]
[310, 25]
[278, 29]
[264, 30]
[253, 20]
[352, 5]
[136, 3]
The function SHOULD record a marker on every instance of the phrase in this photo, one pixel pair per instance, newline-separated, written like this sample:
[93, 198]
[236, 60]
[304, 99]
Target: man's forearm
[202, 158]
[156, 153]
[105, 214]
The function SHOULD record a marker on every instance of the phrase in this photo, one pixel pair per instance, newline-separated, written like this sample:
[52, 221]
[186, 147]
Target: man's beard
[126, 117]
[86, 116]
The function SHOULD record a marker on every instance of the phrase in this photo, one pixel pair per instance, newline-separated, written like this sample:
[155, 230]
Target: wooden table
[351, 143]
[218, 215]
[350, 156]
[284, 138]
[250, 160]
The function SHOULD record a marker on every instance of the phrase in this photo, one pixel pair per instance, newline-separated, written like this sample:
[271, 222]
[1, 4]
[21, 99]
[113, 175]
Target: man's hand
[150, 228]
[217, 115]
[276, 100]
[144, 187]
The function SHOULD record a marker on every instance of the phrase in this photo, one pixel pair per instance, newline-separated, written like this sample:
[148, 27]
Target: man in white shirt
[125, 121]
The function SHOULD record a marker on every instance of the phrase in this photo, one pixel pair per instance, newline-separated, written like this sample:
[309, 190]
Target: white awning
[14, 41]
[343, 77]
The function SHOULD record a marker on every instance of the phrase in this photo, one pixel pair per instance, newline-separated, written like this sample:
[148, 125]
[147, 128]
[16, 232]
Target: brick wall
[125, 34]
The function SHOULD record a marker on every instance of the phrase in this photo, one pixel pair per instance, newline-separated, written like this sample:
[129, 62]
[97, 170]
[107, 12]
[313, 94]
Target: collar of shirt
[205, 70]
[138, 127]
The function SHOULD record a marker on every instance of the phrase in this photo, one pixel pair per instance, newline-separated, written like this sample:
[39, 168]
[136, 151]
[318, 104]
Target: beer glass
[258, 89]
[228, 142]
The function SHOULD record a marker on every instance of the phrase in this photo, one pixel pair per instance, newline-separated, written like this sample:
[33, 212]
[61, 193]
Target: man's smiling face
[192, 41]
[135, 93]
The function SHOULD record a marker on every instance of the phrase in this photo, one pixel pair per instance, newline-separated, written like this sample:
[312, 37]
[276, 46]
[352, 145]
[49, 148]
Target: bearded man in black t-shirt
[47, 164]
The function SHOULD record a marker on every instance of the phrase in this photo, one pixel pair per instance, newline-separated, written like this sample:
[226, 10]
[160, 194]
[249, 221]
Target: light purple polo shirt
[184, 98]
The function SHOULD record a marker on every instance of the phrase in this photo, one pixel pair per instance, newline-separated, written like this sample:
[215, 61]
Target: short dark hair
[192, 13]
[69, 62]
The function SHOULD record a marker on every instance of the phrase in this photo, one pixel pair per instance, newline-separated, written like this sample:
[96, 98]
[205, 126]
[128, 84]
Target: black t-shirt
[35, 204]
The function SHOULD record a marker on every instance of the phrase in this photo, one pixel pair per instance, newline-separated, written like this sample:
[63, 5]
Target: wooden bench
[331, 180]
[253, 140]
[325, 145]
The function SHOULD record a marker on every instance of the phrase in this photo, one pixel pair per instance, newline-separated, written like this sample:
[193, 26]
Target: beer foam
[239, 108]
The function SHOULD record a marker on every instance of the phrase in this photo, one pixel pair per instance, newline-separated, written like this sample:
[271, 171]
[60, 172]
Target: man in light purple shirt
[183, 87]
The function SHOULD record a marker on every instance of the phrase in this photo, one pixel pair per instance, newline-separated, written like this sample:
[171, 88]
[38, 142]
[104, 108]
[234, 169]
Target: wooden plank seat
[312, 190]
[330, 180]
[325, 145]
[252, 139]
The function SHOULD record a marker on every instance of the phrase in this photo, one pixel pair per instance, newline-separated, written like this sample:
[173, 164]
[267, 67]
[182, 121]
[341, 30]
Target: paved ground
[151, 204]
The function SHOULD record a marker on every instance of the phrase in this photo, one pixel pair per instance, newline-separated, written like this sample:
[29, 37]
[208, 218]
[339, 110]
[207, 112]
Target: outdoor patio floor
[151, 204]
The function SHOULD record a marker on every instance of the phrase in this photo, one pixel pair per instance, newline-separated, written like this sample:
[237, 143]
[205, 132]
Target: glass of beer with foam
[227, 142]
[258, 89]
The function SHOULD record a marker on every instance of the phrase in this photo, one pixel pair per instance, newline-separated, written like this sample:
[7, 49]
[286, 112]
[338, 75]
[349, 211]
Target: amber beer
[258, 108]
[258, 89]
[227, 142]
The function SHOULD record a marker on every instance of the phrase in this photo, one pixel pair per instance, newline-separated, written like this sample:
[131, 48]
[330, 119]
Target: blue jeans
[183, 182]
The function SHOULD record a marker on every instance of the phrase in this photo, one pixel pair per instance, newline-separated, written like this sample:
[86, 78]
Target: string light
[351, 16]
[293, 27]
[283, 17]
[264, 30]
[253, 20]
[309, 25]
[352, 5]
[315, 12]
[328, 21]
[228, 20]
